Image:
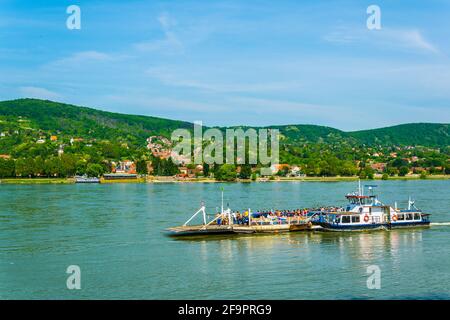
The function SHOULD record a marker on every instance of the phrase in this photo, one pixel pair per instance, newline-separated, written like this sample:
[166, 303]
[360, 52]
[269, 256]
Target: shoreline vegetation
[165, 179]
[50, 142]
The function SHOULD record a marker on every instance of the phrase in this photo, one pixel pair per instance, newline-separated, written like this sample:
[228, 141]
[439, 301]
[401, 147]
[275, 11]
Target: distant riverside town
[69, 161]
[44, 139]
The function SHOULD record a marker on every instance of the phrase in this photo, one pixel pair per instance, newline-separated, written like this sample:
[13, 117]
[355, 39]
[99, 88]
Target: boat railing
[279, 220]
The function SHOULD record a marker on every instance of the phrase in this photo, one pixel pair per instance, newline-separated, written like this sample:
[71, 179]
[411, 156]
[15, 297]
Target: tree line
[63, 166]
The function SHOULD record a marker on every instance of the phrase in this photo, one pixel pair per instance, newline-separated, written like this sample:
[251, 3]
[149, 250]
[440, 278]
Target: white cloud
[39, 93]
[387, 37]
[171, 78]
[84, 56]
[161, 106]
[169, 44]
[413, 39]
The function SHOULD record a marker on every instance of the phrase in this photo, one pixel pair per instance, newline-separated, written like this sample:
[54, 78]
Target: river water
[115, 235]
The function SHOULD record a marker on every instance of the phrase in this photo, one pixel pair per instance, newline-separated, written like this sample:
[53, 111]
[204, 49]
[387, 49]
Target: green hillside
[85, 122]
[88, 122]
[412, 134]
[45, 138]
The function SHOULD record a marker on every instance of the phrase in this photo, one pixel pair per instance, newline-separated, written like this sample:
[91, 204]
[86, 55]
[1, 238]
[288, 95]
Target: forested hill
[411, 134]
[424, 134]
[66, 119]
[83, 122]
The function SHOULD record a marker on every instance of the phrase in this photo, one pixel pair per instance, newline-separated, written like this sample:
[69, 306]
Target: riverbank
[37, 181]
[158, 179]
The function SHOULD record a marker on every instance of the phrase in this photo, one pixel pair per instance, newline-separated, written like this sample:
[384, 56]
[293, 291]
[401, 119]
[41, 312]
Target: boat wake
[440, 223]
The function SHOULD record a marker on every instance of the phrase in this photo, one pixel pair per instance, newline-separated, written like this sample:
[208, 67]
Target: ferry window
[345, 219]
[370, 210]
[355, 219]
[401, 217]
[409, 216]
[416, 216]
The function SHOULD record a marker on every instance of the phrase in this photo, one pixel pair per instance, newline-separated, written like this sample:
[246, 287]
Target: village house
[275, 168]
[295, 171]
[198, 169]
[161, 150]
[183, 172]
[5, 156]
[61, 150]
[72, 140]
[125, 166]
[379, 167]
[53, 138]
[190, 172]
[418, 169]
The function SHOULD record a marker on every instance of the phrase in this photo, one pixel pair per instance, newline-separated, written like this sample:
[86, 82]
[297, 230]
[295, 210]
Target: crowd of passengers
[242, 218]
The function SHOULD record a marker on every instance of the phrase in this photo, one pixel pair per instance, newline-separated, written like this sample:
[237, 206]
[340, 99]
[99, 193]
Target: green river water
[115, 234]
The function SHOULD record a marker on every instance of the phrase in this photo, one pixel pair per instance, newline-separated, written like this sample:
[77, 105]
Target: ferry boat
[367, 212]
[86, 179]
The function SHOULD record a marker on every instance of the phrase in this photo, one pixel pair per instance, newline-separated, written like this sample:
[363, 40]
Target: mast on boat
[202, 210]
[222, 201]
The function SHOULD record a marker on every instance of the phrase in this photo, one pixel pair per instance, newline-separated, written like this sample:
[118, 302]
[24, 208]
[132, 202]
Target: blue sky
[234, 62]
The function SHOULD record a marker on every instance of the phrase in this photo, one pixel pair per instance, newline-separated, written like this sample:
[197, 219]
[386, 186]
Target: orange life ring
[366, 218]
[394, 217]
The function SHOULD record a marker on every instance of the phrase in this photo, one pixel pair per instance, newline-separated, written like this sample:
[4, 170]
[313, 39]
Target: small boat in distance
[367, 212]
[86, 179]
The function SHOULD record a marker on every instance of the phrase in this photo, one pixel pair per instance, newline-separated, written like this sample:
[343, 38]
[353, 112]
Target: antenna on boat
[410, 203]
[222, 199]
[359, 187]
[204, 211]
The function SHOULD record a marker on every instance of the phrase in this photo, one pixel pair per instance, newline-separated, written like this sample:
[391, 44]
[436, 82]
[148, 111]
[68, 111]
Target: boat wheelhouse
[366, 212]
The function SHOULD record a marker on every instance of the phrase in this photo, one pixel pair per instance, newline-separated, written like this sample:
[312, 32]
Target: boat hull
[374, 226]
[415, 224]
[198, 230]
[352, 228]
[240, 229]
[262, 228]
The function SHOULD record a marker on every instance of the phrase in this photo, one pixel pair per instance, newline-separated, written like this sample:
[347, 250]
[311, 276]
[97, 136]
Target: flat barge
[198, 230]
[251, 223]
